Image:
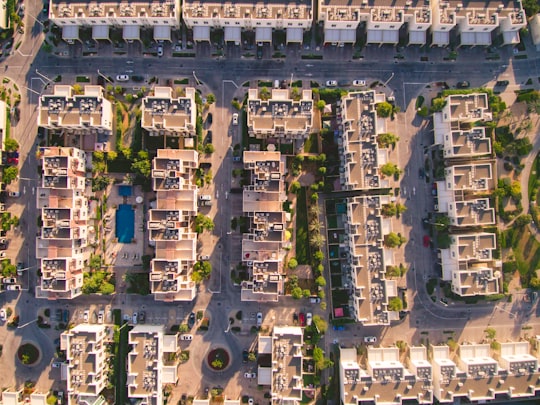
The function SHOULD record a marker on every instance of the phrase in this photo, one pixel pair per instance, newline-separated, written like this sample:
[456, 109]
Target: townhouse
[62, 245]
[86, 367]
[365, 273]
[262, 245]
[164, 114]
[102, 16]
[16, 397]
[472, 374]
[280, 363]
[286, 116]
[84, 119]
[469, 264]
[151, 363]
[240, 17]
[170, 225]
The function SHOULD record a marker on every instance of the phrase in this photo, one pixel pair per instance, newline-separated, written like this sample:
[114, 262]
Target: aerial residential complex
[472, 375]
[411, 22]
[103, 16]
[464, 195]
[262, 246]
[62, 246]
[280, 117]
[83, 120]
[170, 225]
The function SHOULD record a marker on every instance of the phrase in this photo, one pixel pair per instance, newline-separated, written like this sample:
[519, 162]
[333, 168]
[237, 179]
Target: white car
[331, 83]
[135, 318]
[160, 50]
[250, 401]
[186, 337]
[370, 339]
[259, 318]
[309, 318]
[3, 315]
[13, 287]
[122, 78]
[204, 258]
[14, 194]
[57, 364]
[86, 315]
[359, 83]
[101, 316]
[235, 119]
[250, 375]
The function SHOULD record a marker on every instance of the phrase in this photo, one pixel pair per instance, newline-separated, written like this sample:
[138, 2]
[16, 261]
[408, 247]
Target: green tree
[51, 400]
[209, 148]
[523, 220]
[210, 98]
[25, 359]
[389, 169]
[264, 93]
[203, 223]
[201, 271]
[437, 104]
[320, 105]
[293, 263]
[217, 364]
[142, 167]
[10, 174]
[317, 240]
[395, 304]
[515, 190]
[183, 328]
[384, 109]
[11, 145]
[532, 7]
[294, 187]
[306, 293]
[387, 139]
[318, 256]
[252, 356]
[296, 293]
[111, 155]
[322, 170]
[490, 333]
[320, 281]
[393, 240]
[106, 288]
[320, 324]
[389, 210]
[400, 208]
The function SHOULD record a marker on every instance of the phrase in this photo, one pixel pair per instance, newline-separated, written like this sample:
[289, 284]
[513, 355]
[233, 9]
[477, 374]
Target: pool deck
[124, 254]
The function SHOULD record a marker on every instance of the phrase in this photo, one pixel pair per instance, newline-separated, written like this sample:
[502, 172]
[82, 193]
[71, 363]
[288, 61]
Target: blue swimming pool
[124, 190]
[125, 223]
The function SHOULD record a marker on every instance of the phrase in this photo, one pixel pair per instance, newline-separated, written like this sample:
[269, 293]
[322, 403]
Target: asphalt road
[404, 79]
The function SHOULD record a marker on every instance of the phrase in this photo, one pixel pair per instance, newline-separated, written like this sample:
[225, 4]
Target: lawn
[302, 237]
[120, 364]
[138, 283]
[312, 144]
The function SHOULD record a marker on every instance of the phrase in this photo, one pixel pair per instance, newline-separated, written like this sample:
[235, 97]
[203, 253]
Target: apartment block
[170, 225]
[102, 16]
[86, 365]
[477, 376]
[64, 238]
[286, 115]
[469, 264]
[235, 18]
[17, 397]
[164, 114]
[148, 364]
[365, 274]
[469, 108]
[262, 245]
[280, 363]
[84, 119]
[476, 22]
[360, 154]
[385, 379]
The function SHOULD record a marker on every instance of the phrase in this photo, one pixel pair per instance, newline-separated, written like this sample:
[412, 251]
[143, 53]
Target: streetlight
[196, 79]
[105, 77]
[45, 77]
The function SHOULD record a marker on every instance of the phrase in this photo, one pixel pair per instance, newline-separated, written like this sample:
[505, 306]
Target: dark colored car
[245, 356]
[426, 241]
[259, 52]
[191, 320]
[421, 173]
[65, 317]
[463, 85]
[209, 118]
[209, 137]
[142, 317]
[137, 78]
[59, 315]
[502, 83]
[14, 154]
[302, 319]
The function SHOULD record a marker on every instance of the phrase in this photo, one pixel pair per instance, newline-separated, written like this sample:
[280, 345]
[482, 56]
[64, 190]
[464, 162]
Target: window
[227, 22]
[349, 25]
[485, 29]
[124, 22]
[290, 24]
[392, 26]
[205, 22]
[237, 22]
[377, 26]
[333, 25]
[258, 23]
[93, 21]
[103, 22]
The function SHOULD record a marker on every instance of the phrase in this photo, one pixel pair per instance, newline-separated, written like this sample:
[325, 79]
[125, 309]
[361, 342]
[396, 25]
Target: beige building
[286, 116]
[85, 369]
[262, 17]
[262, 246]
[170, 225]
[360, 154]
[63, 241]
[365, 274]
[148, 364]
[280, 364]
[469, 264]
[84, 119]
[101, 16]
[163, 114]
[17, 397]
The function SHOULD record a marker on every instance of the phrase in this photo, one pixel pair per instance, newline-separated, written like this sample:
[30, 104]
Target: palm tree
[315, 225]
[317, 240]
[315, 210]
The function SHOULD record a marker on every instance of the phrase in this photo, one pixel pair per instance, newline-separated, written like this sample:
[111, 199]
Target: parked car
[259, 52]
[135, 318]
[160, 50]
[142, 317]
[309, 318]
[302, 319]
[101, 316]
[421, 173]
[191, 320]
[250, 375]
[331, 83]
[209, 137]
[56, 364]
[245, 356]
[86, 316]
[502, 83]
[122, 78]
[314, 300]
[137, 78]
[426, 240]
[463, 84]
[205, 197]
[65, 316]
[204, 257]
[2, 254]
[370, 339]
[3, 315]
[58, 315]
[186, 337]
[14, 194]
[359, 83]
[9, 280]
[259, 318]
[13, 287]
[235, 119]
